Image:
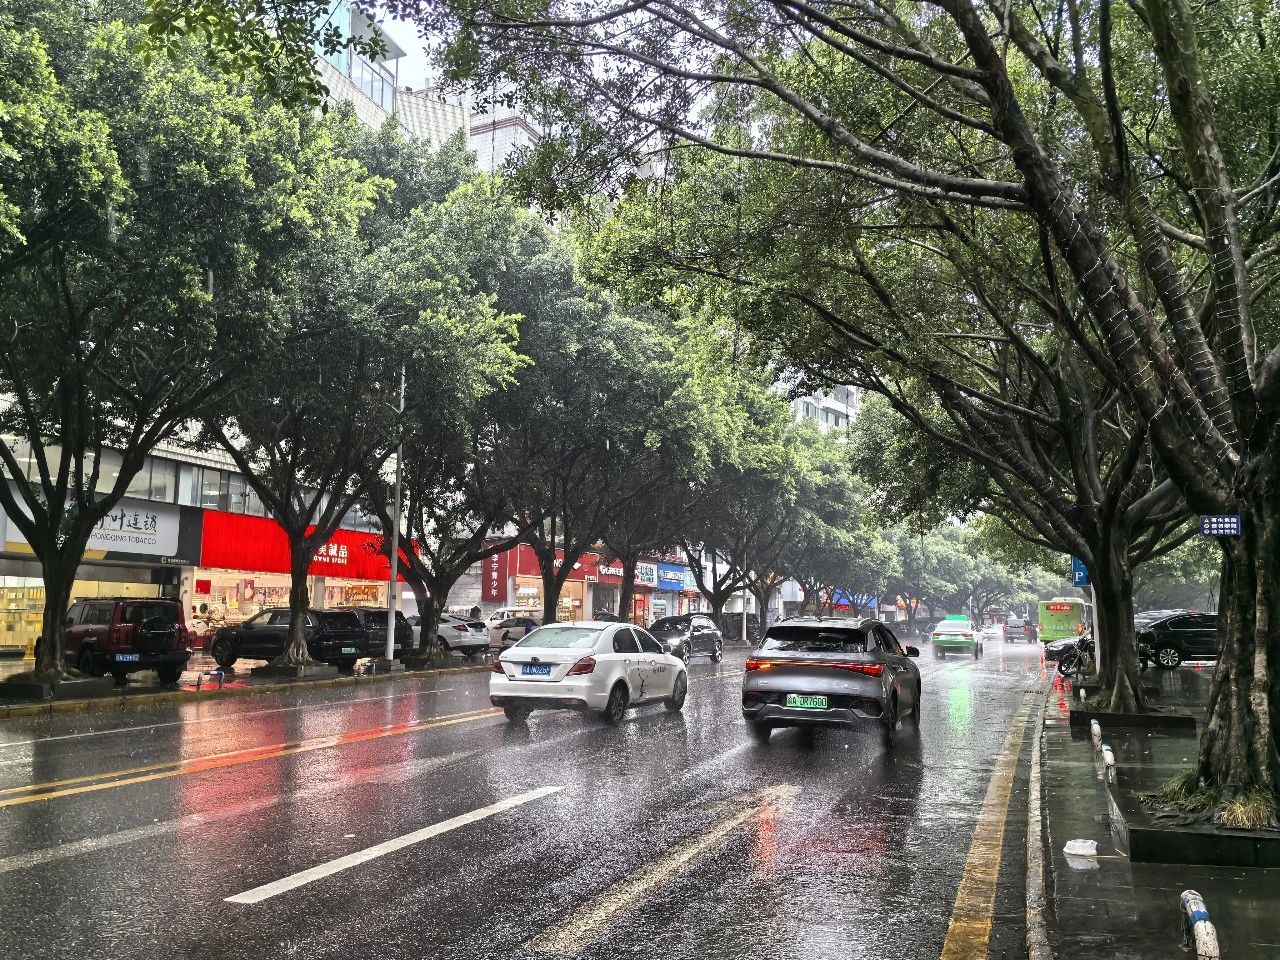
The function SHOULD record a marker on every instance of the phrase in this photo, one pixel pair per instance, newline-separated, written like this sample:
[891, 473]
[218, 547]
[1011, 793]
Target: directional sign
[1220, 525]
[1079, 573]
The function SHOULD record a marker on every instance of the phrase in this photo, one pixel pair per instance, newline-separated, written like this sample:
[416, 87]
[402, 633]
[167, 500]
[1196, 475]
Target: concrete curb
[1038, 947]
[192, 696]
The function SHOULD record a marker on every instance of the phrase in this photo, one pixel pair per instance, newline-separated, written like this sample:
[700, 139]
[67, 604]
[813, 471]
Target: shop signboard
[670, 576]
[494, 588]
[134, 530]
[233, 541]
[647, 574]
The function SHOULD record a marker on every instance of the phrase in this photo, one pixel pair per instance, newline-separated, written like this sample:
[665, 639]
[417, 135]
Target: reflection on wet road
[407, 819]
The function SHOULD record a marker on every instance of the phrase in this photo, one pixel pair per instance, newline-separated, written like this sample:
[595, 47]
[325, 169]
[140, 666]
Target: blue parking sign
[1220, 525]
[1079, 573]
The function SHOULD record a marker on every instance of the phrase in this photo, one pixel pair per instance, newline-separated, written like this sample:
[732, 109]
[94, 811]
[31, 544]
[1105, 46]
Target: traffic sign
[1079, 573]
[1220, 525]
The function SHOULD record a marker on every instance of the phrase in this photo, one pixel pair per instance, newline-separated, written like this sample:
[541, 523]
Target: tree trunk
[430, 607]
[627, 592]
[550, 595]
[59, 575]
[1238, 741]
[1118, 671]
[301, 552]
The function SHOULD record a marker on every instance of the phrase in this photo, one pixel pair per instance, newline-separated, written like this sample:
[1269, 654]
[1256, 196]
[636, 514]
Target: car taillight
[582, 667]
[937, 636]
[755, 664]
[968, 636]
[496, 667]
[867, 669]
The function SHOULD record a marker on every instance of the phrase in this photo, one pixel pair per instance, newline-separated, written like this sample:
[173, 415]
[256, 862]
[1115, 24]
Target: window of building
[189, 485]
[213, 489]
[140, 485]
[108, 470]
[236, 489]
[253, 503]
[164, 480]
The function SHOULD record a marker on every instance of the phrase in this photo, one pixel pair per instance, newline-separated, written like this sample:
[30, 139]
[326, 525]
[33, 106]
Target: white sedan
[592, 665]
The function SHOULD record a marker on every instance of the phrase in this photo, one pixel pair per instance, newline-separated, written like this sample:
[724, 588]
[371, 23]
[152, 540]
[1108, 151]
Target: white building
[430, 116]
[830, 411]
[497, 133]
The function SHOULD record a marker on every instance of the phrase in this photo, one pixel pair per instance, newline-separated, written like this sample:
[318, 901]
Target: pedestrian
[475, 612]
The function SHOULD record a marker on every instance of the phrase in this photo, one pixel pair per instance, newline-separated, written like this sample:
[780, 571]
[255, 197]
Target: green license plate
[806, 703]
[350, 650]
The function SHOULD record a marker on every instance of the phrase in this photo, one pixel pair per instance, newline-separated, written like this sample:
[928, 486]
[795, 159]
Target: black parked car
[333, 636]
[374, 621]
[688, 636]
[1182, 636]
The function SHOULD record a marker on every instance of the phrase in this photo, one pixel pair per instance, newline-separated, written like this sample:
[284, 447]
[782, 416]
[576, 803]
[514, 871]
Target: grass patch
[1251, 810]
[1184, 793]
[1099, 702]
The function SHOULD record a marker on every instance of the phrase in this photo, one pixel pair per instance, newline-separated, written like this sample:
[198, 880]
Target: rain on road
[405, 819]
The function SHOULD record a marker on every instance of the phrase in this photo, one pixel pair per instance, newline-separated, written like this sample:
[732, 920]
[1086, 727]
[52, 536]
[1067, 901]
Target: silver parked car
[830, 672]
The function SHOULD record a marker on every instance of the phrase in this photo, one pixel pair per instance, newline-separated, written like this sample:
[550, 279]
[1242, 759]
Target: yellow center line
[969, 932]
[217, 761]
[586, 924]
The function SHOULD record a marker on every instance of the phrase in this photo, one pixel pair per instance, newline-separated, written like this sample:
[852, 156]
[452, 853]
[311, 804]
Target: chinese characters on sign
[331, 553]
[494, 588]
[1225, 525]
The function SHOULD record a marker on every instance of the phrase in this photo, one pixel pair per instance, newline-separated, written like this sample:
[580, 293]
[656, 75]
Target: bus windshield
[1063, 618]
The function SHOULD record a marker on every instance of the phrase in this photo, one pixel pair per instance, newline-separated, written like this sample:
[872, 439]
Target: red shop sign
[527, 564]
[494, 588]
[232, 541]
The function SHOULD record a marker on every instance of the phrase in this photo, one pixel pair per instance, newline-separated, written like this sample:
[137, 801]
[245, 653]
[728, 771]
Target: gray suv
[830, 672]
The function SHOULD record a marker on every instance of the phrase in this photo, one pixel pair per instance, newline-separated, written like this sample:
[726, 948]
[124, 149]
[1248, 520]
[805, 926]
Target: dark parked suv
[333, 636]
[1182, 636]
[374, 621]
[123, 635]
[687, 635]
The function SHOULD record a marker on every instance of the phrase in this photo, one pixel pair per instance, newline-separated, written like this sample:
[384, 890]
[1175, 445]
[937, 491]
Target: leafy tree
[144, 207]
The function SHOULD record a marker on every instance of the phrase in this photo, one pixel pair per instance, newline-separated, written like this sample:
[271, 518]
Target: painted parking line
[231, 715]
[15, 796]
[969, 932]
[292, 882]
[588, 923]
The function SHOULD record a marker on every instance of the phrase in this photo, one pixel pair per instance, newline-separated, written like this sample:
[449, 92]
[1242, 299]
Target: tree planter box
[66, 690]
[1162, 719]
[1143, 839]
[310, 671]
[418, 661]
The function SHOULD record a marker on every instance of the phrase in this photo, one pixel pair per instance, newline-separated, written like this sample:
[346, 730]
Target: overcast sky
[413, 65]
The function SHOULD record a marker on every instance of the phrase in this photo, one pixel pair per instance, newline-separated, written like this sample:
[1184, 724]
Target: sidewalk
[1109, 907]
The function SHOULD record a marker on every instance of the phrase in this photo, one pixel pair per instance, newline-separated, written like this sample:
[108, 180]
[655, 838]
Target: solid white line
[187, 723]
[269, 890]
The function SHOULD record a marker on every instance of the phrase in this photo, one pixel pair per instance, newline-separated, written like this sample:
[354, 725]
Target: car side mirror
[913, 651]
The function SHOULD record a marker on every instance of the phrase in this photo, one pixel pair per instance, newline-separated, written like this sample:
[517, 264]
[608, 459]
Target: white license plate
[535, 670]
[128, 657]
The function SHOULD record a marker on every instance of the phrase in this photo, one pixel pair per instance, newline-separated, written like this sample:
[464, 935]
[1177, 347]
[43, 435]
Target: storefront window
[213, 489]
[188, 485]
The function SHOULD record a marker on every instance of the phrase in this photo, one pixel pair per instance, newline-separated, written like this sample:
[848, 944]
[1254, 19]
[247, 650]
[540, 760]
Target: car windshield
[807, 639]
[669, 623]
[562, 637]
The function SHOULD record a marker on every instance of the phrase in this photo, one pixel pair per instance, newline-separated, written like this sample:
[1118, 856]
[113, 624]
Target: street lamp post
[390, 664]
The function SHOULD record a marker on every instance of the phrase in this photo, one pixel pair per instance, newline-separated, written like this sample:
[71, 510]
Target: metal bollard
[1109, 764]
[1095, 732]
[1197, 929]
[210, 673]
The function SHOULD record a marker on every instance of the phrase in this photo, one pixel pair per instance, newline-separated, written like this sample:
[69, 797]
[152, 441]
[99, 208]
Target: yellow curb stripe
[969, 932]
[121, 778]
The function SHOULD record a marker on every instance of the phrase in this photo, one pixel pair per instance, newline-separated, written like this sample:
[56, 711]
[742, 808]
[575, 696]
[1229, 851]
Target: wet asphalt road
[674, 835]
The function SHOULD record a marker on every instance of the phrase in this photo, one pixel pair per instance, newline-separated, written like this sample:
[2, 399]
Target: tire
[686, 652]
[1069, 665]
[121, 677]
[90, 664]
[616, 708]
[717, 652]
[169, 674]
[760, 731]
[515, 714]
[939, 653]
[891, 724]
[675, 702]
[345, 666]
[976, 651]
[222, 653]
[1168, 657]
[915, 708]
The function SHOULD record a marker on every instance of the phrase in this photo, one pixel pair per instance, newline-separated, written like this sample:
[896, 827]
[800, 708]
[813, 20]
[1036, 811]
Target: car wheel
[90, 664]
[675, 702]
[169, 674]
[121, 677]
[891, 724]
[717, 652]
[686, 652]
[977, 651]
[221, 653]
[616, 708]
[515, 714]
[939, 653]
[915, 707]
[346, 666]
[760, 731]
[1168, 658]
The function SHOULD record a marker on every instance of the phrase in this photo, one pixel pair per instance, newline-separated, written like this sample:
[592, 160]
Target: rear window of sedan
[562, 637]
[807, 639]
[954, 626]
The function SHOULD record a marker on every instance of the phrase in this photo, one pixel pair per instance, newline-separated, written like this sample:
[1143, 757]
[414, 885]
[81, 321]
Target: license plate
[128, 657]
[535, 670]
[806, 703]
[350, 650]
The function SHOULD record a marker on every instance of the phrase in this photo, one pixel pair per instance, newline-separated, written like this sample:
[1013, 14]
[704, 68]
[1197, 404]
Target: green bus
[1064, 618]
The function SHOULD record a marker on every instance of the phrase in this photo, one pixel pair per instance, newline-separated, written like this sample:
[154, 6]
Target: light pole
[390, 664]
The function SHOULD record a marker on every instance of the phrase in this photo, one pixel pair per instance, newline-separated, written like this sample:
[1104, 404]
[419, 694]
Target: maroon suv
[127, 634]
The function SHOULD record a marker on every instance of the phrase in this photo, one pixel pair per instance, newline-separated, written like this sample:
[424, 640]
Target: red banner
[494, 588]
[232, 541]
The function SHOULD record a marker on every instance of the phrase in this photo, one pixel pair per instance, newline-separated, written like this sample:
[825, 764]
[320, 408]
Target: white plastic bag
[1081, 848]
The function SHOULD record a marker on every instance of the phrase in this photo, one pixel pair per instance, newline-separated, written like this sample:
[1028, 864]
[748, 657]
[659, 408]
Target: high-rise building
[499, 131]
[431, 116]
[830, 411]
[369, 85]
